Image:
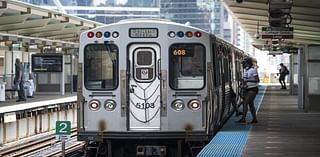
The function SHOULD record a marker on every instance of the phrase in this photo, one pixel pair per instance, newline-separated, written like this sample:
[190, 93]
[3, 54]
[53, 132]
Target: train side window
[101, 66]
[186, 66]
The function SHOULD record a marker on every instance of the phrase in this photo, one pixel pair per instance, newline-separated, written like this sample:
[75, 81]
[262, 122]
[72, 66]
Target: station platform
[38, 100]
[282, 130]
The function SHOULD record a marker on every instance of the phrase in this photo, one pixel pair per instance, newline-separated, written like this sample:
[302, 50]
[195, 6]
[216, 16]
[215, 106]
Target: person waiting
[19, 80]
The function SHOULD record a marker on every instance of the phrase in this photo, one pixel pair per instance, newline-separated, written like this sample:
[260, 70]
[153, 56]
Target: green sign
[63, 127]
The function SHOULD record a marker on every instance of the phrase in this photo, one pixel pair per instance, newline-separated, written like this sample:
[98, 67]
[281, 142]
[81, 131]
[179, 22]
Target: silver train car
[153, 88]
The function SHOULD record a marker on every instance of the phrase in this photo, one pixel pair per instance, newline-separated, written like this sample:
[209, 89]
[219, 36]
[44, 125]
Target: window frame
[115, 70]
[170, 55]
[154, 61]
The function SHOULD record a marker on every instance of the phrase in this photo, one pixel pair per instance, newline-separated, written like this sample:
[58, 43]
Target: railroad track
[43, 146]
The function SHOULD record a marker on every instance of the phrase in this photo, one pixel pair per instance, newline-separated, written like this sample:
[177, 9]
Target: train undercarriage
[147, 146]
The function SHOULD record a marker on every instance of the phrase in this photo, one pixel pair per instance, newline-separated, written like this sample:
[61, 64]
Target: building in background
[193, 12]
[104, 11]
[143, 3]
[209, 15]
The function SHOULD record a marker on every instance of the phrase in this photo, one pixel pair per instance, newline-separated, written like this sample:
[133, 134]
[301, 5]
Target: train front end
[143, 88]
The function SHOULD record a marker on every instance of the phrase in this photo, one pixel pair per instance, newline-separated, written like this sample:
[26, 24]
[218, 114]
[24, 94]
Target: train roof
[152, 20]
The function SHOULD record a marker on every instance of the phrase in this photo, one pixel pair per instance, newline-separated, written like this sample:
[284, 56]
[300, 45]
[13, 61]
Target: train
[152, 87]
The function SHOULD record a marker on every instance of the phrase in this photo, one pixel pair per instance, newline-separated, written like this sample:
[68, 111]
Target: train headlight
[110, 105]
[172, 34]
[194, 104]
[115, 34]
[178, 105]
[94, 105]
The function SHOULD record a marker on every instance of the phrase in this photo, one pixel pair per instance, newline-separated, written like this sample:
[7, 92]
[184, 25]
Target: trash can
[2, 91]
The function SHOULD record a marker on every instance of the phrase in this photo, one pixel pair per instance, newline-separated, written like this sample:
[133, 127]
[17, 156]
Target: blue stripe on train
[231, 139]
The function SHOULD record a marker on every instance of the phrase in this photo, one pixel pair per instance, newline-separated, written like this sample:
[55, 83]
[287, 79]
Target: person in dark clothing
[283, 71]
[234, 102]
[19, 80]
[250, 81]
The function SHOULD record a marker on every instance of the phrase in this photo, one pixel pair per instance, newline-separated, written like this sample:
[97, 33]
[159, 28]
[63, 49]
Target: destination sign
[277, 33]
[143, 32]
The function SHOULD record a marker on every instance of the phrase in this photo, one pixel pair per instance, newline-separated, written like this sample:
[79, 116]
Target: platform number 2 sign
[63, 128]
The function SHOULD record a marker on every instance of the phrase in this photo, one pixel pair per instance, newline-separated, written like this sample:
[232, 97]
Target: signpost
[277, 33]
[63, 132]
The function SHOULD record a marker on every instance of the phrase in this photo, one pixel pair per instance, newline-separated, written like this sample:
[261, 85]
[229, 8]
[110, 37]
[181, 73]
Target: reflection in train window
[186, 66]
[100, 66]
[144, 58]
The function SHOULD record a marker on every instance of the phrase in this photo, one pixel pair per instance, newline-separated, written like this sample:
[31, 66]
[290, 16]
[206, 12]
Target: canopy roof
[305, 20]
[32, 24]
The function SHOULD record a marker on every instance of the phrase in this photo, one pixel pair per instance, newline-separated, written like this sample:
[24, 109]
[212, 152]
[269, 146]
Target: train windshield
[186, 66]
[100, 66]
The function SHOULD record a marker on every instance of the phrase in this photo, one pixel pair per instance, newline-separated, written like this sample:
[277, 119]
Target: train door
[144, 87]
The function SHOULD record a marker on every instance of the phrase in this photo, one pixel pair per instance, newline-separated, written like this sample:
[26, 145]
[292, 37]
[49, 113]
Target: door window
[144, 64]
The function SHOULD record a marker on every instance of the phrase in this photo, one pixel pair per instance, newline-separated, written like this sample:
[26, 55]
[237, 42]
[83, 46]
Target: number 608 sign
[63, 128]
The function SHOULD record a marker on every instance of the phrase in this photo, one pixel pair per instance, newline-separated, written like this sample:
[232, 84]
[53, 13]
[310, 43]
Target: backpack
[286, 71]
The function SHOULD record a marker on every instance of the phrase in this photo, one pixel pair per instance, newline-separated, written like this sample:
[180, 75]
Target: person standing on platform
[234, 102]
[250, 81]
[283, 71]
[19, 80]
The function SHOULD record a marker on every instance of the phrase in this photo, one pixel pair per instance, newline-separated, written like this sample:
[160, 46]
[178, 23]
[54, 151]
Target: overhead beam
[34, 38]
[73, 30]
[13, 19]
[38, 12]
[256, 11]
[63, 37]
[2, 11]
[64, 30]
[49, 27]
[29, 24]
[14, 7]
